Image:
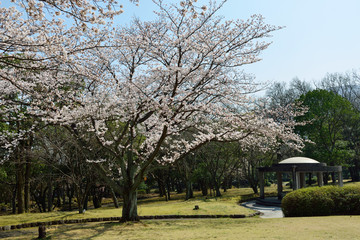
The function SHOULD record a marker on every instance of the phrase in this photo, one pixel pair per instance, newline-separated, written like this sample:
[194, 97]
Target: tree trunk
[37, 201]
[168, 190]
[27, 174]
[217, 189]
[13, 200]
[43, 198]
[189, 190]
[252, 178]
[97, 194]
[179, 187]
[225, 184]
[129, 190]
[63, 195]
[129, 211]
[166, 196]
[27, 184]
[161, 185]
[255, 189]
[70, 194]
[229, 182]
[20, 186]
[86, 201]
[204, 188]
[116, 202]
[82, 197]
[50, 196]
[80, 204]
[70, 199]
[59, 195]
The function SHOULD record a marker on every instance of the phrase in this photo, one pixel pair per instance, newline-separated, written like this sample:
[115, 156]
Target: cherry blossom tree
[168, 87]
[46, 42]
[37, 46]
[151, 91]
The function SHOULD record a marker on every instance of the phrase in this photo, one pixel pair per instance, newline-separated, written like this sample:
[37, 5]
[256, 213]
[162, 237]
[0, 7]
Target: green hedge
[322, 201]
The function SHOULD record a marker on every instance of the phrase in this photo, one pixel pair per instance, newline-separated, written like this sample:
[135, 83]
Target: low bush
[322, 201]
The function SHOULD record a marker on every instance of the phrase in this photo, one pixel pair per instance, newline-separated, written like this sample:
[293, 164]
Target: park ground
[334, 227]
[331, 227]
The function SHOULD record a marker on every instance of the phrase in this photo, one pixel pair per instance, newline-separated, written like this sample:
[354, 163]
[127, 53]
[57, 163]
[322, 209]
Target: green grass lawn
[227, 204]
[334, 227]
[176, 207]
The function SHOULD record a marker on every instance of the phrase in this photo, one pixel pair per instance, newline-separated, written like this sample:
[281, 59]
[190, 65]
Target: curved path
[266, 211]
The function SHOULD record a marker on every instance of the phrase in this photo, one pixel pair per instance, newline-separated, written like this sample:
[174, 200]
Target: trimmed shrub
[322, 201]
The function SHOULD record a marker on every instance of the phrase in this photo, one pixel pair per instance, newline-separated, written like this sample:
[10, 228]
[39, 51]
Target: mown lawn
[334, 227]
[227, 204]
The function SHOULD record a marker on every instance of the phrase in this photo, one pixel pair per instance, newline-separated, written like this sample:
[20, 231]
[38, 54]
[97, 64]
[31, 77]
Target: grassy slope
[335, 227]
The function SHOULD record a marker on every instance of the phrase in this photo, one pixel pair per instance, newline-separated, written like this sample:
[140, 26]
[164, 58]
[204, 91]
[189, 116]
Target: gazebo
[298, 167]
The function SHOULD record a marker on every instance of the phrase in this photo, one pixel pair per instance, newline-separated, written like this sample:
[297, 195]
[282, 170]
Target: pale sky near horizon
[320, 36]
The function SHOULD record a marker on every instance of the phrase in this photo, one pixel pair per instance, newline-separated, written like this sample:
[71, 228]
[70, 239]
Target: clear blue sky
[321, 36]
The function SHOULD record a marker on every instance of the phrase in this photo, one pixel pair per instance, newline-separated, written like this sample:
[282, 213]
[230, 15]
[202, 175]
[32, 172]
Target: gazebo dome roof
[298, 160]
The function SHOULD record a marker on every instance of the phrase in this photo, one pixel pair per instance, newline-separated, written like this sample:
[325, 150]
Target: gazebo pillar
[262, 184]
[279, 183]
[320, 179]
[302, 180]
[310, 177]
[341, 184]
[295, 178]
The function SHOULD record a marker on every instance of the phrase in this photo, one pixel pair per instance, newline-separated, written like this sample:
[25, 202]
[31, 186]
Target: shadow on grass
[68, 231]
[17, 234]
[88, 230]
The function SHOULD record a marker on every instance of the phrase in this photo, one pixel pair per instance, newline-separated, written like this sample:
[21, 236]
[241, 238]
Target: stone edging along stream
[105, 219]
